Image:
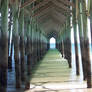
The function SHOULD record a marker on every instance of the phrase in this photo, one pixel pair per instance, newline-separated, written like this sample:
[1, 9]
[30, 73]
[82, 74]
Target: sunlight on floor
[52, 75]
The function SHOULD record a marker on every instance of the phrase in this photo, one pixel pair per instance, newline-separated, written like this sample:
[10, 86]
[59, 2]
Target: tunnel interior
[30, 29]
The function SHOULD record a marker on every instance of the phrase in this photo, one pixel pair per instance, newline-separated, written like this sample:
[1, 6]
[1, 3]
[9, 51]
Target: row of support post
[80, 22]
[28, 42]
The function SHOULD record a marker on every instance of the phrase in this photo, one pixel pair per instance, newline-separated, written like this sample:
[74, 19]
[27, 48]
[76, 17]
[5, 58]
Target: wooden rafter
[56, 20]
[43, 10]
[60, 10]
[59, 16]
[27, 3]
[43, 17]
[40, 4]
[67, 2]
[61, 5]
[42, 21]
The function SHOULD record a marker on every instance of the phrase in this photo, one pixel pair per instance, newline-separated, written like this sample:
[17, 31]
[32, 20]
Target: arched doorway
[52, 43]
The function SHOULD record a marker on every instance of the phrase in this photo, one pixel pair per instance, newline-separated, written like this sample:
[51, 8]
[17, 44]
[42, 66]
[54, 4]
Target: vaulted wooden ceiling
[49, 14]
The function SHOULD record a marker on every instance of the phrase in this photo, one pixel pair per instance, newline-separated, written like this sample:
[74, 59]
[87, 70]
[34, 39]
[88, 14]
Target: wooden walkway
[53, 75]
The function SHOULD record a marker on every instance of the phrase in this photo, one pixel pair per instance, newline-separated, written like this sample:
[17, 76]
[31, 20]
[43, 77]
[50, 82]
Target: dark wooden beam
[61, 5]
[27, 3]
[51, 4]
[59, 16]
[67, 2]
[43, 10]
[40, 4]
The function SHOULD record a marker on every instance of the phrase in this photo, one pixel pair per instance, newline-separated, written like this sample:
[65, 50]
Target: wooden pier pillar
[69, 52]
[22, 45]
[4, 45]
[16, 43]
[62, 48]
[75, 22]
[48, 46]
[88, 64]
[17, 63]
[10, 43]
[83, 53]
[29, 60]
[76, 52]
[86, 54]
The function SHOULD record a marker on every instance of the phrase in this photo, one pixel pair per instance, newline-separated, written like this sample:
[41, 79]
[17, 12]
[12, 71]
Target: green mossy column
[76, 49]
[4, 45]
[10, 43]
[16, 44]
[87, 44]
[81, 35]
[29, 55]
[22, 45]
[62, 48]
[75, 22]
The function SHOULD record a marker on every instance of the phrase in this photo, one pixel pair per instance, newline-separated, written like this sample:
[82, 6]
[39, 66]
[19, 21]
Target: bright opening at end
[52, 43]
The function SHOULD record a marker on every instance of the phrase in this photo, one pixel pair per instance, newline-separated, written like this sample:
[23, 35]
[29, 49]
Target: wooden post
[62, 48]
[86, 43]
[76, 49]
[29, 56]
[4, 46]
[22, 46]
[10, 43]
[75, 21]
[16, 44]
[81, 35]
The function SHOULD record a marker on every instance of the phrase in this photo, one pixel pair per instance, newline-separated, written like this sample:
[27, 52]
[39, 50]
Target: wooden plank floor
[53, 75]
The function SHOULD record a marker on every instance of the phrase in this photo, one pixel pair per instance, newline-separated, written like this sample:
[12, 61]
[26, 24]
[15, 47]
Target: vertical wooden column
[48, 45]
[10, 42]
[38, 45]
[41, 45]
[86, 53]
[69, 51]
[62, 48]
[22, 46]
[35, 44]
[81, 35]
[29, 55]
[16, 44]
[75, 21]
[76, 49]
[4, 45]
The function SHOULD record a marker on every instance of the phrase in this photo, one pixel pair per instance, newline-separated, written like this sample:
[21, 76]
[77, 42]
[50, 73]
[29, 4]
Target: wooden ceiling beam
[51, 4]
[59, 16]
[43, 17]
[27, 3]
[67, 2]
[40, 5]
[60, 10]
[46, 1]
[42, 21]
[43, 10]
[61, 5]
[57, 21]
